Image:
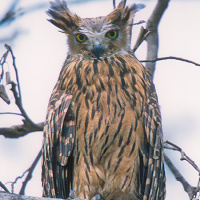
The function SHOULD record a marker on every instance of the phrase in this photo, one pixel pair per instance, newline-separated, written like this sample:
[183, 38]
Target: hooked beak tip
[97, 50]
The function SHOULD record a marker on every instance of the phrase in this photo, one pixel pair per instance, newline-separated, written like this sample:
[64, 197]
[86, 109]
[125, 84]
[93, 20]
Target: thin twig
[15, 181]
[16, 72]
[192, 191]
[171, 57]
[4, 187]
[114, 4]
[2, 62]
[3, 94]
[29, 175]
[29, 125]
[138, 23]
[187, 187]
[183, 154]
[3, 58]
[19, 103]
[10, 113]
[17, 95]
[30, 171]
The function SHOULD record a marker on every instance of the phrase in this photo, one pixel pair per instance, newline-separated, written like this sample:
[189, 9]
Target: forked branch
[30, 172]
[192, 191]
[28, 125]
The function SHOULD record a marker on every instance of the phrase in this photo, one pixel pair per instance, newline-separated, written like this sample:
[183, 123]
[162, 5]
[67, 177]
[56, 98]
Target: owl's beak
[97, 49]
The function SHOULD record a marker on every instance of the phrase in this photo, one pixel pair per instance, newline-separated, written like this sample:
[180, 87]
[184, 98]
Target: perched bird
[103, 131]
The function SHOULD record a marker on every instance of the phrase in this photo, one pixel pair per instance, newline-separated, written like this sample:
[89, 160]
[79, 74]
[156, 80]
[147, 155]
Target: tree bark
[20, 130]
[6, 196]
[153, 39]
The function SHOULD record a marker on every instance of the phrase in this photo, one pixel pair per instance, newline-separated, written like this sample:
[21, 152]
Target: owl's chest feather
[106, 103]
[108, 100]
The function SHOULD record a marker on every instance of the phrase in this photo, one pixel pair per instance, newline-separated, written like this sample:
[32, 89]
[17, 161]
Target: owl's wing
[58, 142]
[151, 169]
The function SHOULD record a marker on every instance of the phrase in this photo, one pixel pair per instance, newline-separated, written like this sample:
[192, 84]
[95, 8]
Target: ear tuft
[139, 7]
[58, 5]
[122, 4]
[124, 14]
[62, 17]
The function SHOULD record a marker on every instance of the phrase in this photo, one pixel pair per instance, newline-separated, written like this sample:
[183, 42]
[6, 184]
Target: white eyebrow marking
[108, 27]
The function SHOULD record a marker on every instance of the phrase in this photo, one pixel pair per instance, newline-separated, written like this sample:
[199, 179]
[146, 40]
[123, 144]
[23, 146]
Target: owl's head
[95, 37]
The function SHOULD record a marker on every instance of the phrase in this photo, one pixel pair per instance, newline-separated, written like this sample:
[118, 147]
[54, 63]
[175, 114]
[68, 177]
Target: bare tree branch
[28, 125]
[172, 146]
[187, 187]
[11, 113]
[6, 196]
[4, 187]
[30, 171]
[137, 23]
[13, 12]
[20, 130]
[18, 96]
[18, 102]
[173, 58]
[114, 4]
[9, 16]
[192, 191]
[3, 94]
[28, 177]
[141, 37]
[16, 71]
[152, 39]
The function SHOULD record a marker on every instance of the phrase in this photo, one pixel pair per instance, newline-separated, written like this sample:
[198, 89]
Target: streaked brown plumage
[103, 128]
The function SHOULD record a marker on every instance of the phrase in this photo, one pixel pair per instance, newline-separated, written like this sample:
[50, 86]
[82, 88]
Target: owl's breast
[108, 98]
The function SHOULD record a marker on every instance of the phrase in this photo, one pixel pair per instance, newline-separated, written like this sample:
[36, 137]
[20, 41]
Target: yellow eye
[81, 38]
[112, 34]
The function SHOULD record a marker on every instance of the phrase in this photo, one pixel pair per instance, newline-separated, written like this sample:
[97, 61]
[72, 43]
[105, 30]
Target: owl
[103, 133]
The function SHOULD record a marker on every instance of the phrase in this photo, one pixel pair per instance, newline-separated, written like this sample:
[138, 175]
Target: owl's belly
[108, 132]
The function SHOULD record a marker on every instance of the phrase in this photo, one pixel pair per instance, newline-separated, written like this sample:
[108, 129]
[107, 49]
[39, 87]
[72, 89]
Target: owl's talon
[72, 195]
[97, 197]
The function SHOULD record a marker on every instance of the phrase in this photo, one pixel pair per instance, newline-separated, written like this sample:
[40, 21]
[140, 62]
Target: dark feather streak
[120, 140]
[85, 133]
[86, 162]
[124, 182]
[129, 135]
[132, 150]
[102, 84]
[91, 157]
[121, 150]
[118, 162]
[93, 111]
[95, 68]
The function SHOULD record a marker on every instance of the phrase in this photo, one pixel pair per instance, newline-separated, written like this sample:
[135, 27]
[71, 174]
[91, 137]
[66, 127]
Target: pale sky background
[40, 52]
